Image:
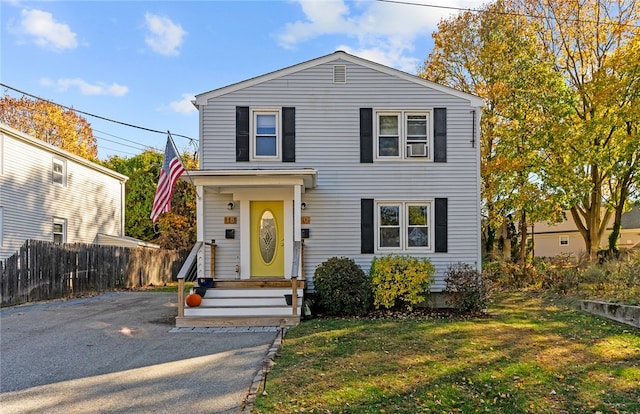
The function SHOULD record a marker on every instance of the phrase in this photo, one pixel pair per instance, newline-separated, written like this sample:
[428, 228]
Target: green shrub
[468, 289]
[342, 287]
[400, 281]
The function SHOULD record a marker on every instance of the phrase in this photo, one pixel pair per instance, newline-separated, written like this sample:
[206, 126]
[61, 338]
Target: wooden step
[255, 283]
[248, 293]
[257, 301]
[254, 302]
[240, 311]
[215, 322]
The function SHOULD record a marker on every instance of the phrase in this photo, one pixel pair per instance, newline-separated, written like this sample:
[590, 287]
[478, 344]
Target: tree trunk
[523, 238]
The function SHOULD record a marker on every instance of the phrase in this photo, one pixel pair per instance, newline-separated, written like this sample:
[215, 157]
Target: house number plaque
[230, 220]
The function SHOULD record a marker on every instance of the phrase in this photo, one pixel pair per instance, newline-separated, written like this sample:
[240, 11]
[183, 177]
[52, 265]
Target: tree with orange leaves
[51, 123]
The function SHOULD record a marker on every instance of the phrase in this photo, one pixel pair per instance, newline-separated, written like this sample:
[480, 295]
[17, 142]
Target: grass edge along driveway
[534, 354]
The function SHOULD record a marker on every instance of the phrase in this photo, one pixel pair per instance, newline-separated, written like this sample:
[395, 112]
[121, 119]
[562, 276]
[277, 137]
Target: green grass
[534, 354]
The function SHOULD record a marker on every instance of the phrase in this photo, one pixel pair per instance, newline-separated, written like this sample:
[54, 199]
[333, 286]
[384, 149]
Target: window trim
[403, 141]
[253, 133]
[63, 174]
[63, 223]
[404, 226]
[1, 226]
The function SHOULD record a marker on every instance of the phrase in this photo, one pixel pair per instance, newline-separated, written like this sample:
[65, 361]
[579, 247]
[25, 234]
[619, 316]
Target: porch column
[297, 212]
[200, 229]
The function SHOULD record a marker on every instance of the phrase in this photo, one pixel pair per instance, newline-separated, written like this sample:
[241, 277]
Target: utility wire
[116, 150]
[124, 139]
[139, 147]
[532, 16]
[94, 115]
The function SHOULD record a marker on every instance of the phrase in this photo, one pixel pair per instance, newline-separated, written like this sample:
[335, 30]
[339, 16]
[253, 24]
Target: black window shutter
[288, 134]
[441, 225]
[242, 133]
[440, 134]
[366, 135]
[366, 226]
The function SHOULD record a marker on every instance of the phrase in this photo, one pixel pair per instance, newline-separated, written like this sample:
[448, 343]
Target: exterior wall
[547, 236]
[327, 139]
[91, 202]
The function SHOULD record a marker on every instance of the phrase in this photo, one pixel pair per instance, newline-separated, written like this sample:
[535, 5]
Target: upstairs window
[266, 135]
[59, 172]
[403, 135]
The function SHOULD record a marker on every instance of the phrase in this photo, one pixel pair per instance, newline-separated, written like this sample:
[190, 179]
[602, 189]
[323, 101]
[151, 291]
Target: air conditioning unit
[417, 149]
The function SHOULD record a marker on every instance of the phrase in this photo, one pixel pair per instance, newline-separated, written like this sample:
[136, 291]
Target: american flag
[171, 170]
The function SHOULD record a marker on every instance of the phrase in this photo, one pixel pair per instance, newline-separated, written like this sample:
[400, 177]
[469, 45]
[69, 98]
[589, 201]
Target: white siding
[91, 201]
[327, 139]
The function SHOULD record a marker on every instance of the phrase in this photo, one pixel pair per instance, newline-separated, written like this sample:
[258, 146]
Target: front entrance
[267, 239]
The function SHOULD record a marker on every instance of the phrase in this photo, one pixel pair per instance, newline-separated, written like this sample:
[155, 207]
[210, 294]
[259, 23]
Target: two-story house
[348, 156]
[49, 194]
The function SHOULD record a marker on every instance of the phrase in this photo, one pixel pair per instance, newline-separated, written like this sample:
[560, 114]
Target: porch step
[213, 322]
[224, 311]
[244, 303]
[214, 293]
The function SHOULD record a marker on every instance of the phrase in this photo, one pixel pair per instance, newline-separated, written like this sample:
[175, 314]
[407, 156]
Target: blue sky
[142, 62]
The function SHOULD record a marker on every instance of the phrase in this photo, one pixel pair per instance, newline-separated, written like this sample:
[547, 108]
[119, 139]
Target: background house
[355, 158]
[49, 194]
[565, 239]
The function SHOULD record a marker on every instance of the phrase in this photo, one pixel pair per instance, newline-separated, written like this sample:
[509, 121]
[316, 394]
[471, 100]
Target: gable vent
[339, 74]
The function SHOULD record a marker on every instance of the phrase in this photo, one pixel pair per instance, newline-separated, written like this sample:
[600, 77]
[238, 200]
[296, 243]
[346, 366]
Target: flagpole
[173, 144]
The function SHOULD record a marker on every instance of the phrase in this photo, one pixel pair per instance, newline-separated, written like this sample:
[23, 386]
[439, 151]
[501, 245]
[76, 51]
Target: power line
[119, 151]
[139, 147]
[532, 16]
[143, 147]
[94, 115]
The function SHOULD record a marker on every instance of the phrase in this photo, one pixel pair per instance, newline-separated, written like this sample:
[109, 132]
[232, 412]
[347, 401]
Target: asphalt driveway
[117, 353]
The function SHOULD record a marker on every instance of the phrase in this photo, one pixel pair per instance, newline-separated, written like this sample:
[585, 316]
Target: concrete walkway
[119, 353]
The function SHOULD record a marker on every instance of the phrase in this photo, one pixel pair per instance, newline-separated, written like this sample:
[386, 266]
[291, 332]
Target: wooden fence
[44, 270]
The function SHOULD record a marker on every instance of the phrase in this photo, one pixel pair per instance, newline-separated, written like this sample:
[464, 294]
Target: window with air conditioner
[403, 135]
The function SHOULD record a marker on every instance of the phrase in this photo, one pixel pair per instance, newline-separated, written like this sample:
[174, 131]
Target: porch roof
[307, 178]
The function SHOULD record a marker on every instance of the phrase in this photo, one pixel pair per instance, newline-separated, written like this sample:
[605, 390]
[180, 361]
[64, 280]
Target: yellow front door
[267, 238]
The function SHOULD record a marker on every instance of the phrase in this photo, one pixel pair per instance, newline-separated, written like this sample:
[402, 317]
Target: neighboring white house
[354, 158]
[49, 194]
[565, 239]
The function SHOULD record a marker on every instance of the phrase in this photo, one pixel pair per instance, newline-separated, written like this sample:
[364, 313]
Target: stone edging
[626, 314]
[261, 375]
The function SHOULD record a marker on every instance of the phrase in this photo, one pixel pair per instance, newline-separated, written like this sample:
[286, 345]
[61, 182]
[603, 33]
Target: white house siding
[327, 139]
[91, 201]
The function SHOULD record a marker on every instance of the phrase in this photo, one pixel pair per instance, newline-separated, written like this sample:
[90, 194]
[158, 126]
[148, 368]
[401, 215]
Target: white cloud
[46, 31]
[184, 106]
[382, 32]
[165, 37]
[86, 88]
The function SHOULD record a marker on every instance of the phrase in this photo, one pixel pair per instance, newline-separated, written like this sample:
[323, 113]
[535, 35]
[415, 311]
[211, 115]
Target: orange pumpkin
[193, 300]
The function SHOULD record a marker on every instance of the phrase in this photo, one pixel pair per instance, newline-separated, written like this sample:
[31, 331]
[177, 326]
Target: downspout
[477, 113]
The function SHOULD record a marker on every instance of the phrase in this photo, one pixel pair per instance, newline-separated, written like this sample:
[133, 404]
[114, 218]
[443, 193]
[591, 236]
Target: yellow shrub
[400, 281]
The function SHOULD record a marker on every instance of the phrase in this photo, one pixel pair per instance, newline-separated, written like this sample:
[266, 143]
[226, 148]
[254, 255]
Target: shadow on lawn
[530, 356]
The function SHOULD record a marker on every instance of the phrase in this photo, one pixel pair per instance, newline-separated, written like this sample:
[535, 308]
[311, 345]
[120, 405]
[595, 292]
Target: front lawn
[533, 354]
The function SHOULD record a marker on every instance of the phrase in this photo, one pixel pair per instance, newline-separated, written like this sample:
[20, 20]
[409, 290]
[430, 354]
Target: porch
[267, 301]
